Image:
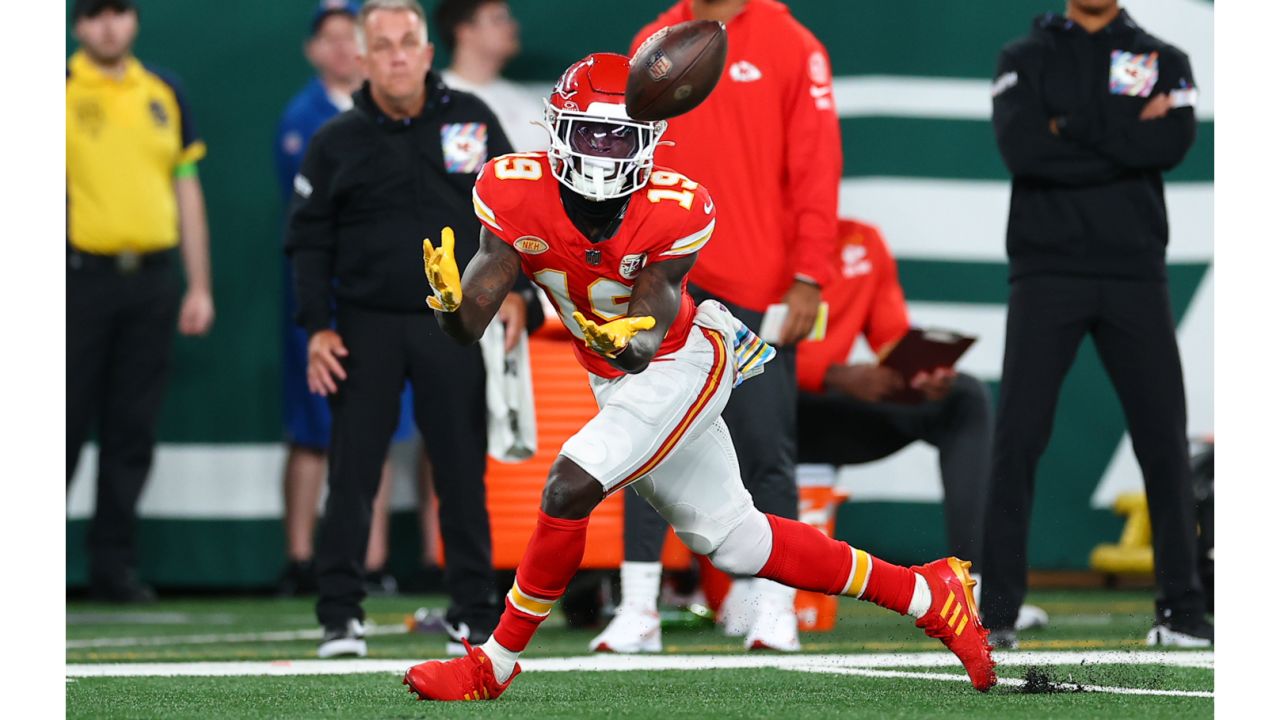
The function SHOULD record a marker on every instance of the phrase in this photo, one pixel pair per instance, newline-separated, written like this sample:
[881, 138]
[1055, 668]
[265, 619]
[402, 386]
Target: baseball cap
[332, 7]
[90, 8]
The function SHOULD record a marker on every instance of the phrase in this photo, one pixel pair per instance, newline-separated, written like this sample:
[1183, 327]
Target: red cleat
[953, 618]
[469, 677]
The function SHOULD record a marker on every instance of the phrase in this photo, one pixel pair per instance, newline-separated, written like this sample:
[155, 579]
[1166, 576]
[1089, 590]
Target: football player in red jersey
[611, 239]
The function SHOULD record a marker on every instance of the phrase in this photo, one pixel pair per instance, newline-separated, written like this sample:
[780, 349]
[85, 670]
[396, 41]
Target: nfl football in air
[676, 69]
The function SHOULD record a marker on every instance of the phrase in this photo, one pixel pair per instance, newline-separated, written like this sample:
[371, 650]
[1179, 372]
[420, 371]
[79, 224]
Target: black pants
[761, 416]
[448, 394]
[1132, 325]
[843, 430]
[120, 329]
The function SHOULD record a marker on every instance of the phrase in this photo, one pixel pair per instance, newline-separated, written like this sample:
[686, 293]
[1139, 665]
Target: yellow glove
[610, 339]
[442, 273]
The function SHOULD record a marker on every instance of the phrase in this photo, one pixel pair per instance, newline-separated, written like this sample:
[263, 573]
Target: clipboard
[924, 350]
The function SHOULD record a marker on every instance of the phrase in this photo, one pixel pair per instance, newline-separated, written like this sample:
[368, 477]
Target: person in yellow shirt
[134, 204]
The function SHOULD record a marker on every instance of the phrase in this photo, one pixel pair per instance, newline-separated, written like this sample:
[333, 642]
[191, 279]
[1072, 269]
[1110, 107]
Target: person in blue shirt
[331, 50]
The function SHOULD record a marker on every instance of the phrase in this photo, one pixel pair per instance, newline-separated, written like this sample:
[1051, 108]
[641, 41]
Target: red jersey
[767, 144]
[865, 299]
[518, 199]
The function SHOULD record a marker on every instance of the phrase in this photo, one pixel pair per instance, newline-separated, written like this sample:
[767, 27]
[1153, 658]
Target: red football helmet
[597, 150]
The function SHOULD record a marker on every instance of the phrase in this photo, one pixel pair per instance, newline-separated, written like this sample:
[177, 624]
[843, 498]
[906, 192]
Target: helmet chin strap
[593, 173]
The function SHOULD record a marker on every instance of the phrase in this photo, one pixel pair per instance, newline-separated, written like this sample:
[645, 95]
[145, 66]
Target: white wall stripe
[933, 98]
[913, 97]
[965, 220]
[986, 321]
[241, 482]
[986, 358]
[910, 475]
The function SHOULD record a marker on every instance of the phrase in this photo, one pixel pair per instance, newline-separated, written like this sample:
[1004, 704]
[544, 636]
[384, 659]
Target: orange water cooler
[819, 498]
[563, 403]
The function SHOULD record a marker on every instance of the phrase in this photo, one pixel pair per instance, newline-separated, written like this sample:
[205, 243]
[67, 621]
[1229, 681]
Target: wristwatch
[800, 277]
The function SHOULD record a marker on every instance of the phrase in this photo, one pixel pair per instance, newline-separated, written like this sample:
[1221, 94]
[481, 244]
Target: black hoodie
[371, 188]
[1090, 200]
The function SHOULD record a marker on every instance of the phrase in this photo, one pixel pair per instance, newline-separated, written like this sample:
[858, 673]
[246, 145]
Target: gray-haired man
[376, 179]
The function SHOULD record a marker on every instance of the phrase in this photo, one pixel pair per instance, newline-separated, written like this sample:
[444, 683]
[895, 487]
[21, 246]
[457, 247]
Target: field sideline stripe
[270, 636]
[1013, 682]
[608, 663]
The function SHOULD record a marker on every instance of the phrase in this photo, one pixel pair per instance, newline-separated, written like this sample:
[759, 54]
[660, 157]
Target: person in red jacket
[767, 144]
[843, 416]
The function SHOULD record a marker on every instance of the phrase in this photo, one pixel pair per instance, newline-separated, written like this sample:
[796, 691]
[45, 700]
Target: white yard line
[273, 636]
[1013, 682]
[867, 665]
[867, 660]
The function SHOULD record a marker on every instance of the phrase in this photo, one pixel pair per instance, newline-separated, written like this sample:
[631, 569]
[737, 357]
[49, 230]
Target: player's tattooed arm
[656, 294]
[486, 282]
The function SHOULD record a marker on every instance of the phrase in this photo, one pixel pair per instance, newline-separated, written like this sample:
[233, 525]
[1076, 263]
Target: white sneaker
[774, 627]
[737, 610]
[340, 641]
[1163, 635]
[632, 630]
[1031, 617]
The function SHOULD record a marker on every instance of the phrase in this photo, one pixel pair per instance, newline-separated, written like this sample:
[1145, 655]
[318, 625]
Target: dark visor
[603, 139]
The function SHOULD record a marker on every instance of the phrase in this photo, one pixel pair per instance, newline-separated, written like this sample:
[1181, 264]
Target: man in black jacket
[1089, 110]
[376, 179]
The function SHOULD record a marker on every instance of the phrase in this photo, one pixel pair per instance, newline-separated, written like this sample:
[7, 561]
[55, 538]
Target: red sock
[887, 585]
[803, 557]
[550, 560]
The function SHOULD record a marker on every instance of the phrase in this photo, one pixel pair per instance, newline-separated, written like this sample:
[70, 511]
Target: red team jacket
[518, 199]
[865, 299]
[766, 143]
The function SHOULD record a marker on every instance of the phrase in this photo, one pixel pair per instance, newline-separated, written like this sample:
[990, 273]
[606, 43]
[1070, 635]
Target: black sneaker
[1171, 631]
[297, 578]
[1003, 639]
[343, 640]
[122, 588]
[457, 633]
[462, 630]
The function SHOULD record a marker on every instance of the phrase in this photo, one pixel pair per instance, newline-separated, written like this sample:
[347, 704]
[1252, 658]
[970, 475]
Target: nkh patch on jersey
[465, 146]
[1133, 74]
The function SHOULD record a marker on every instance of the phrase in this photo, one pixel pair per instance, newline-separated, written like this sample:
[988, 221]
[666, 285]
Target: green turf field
[1090, 662]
